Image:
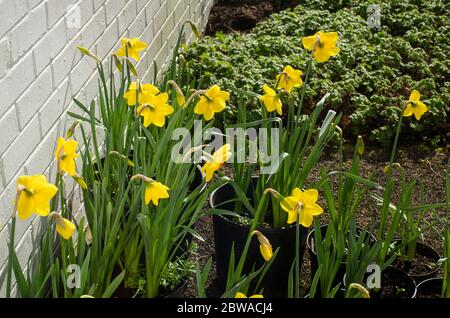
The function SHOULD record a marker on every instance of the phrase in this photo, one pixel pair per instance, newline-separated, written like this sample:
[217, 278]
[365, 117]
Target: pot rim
[426, 281]
[405, 274]
[437, 258]
[182, 285]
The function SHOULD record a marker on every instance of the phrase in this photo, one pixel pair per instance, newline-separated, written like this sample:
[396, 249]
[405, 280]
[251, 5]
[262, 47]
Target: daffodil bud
[64, 227]
[123, 157]
[360, 145]
[181, 100]
[394, 165]
[87, 234]
[194, 29]
[79, 179]
[117, 62]
[265, 247]
[71, 130]
[86, 52]
[362, 290]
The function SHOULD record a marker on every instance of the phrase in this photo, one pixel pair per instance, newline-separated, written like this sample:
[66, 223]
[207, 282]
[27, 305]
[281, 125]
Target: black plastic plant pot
[313, 255]
[430, 288]
[198, 180]
[227, 232]
[394, 283]
[179, 291]
[418, 270]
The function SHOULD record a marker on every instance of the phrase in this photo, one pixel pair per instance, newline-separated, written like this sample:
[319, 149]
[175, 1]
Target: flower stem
[297, 257]
[12, 234]
[11, 249]
[389, 176]
[305, 83]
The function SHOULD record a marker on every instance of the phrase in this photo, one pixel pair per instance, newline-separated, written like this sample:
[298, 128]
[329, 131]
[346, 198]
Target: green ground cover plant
[367, 80]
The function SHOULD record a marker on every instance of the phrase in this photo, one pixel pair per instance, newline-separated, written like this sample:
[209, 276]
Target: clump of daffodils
[287, 80]
[152, 104]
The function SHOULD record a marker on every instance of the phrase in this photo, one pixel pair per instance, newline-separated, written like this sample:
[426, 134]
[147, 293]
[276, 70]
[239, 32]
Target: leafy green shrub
[371, 77]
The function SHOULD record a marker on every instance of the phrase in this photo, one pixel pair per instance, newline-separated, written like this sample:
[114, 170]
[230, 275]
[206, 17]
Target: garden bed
[421, 163]
[242, 15]
[289, 176]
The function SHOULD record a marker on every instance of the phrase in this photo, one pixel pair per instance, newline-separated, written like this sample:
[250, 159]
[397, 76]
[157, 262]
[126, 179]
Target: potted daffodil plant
[300, 142]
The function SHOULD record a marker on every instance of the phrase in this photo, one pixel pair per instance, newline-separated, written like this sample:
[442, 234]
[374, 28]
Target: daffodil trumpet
[154, 190]
[64, 227]
[265, 246]
[242, 295]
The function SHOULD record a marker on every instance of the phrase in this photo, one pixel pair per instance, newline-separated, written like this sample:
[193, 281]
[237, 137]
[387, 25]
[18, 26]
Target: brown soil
[434, 295]
[242, 16]
[393, 287]
[425, 166]
[419, 265]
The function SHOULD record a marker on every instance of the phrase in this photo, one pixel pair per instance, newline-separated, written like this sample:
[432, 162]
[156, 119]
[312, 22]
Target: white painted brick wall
[41, 71]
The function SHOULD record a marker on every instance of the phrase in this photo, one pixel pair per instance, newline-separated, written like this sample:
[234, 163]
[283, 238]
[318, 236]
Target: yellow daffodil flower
[66, 154]
[34, 195]
[144, 90]
[302, 204]
[154, 109]
[132, 47]
[64, 227]
[216, 162]
[265, 247]
[155, 191]
[271, 100]
[241, 295]
[415, 106]
[289, 78]
[323, 45]
[213, 101]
